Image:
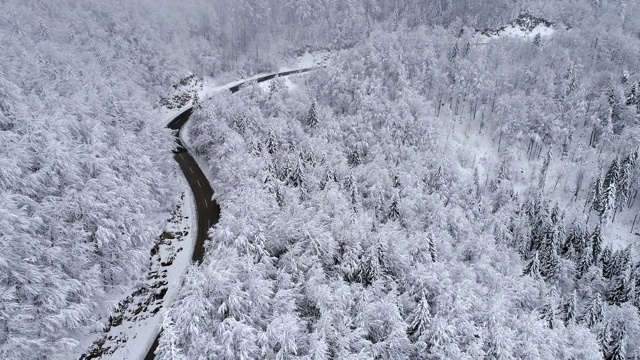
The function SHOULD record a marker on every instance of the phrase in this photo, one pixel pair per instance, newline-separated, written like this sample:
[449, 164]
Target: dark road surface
[208, 211]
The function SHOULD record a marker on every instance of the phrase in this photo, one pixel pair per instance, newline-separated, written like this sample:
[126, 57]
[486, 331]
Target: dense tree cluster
[356, 222]
[86, 176]
[85, 173]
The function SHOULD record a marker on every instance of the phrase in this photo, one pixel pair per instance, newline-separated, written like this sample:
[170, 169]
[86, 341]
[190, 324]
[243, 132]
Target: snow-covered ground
[514, 31]
[137, 322]
[465, 136]
[524, 27]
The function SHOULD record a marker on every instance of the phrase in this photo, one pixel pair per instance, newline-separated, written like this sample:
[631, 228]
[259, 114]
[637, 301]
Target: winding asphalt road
[207, 209]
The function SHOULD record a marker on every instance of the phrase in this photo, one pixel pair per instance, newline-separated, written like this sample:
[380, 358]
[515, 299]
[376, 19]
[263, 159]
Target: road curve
[207, 209]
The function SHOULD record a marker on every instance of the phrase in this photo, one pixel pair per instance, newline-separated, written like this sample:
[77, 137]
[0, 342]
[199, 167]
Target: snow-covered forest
[458, 183]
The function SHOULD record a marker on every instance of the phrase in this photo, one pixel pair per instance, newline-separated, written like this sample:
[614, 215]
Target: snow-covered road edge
[138, 349]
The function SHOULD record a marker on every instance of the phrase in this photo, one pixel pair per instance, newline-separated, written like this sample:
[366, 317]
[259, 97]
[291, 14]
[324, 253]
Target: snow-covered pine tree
[596, 244]
[272, 142]
[533, 267]
[420, 317]
[394, 211]
[573, 245]
[584, 262]
[619, 289]
[624, 179]
[537, 40]
[476, 182]
[548, 314]
[608, 263]
[454, 53]
[609, 186]
[196, 103]
[549, 256]
[312, 116]
[610, 202]
[596, 194]
[632, 97]
[569, 308]
[297, 176]
[593, 314]
[432, 247]
[355, 158]
[616, 346]
[436, 181]
[466, 49]
[351, 187]
[279, 194]
[635, 296]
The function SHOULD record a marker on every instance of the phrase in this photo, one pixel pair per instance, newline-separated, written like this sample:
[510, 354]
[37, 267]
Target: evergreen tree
[548, 256]
[618, 292]
[636, 101]
[196, 103]
[396, 182]
[574, 243]
[352, 188]
[432, 247]
[279, 196]
[436, 180]
[312, 116]
[555, 215]
[612, 174]
[454, 53]
[608, 265]
[584, 262]
[596, 195]
[635, 296]
[624, 179]
[297, 176]
[476, 183]
[326, 178]
[609, 198]
[594, 312]
[533, 267]
[632, 97]
[394, 212]
[466, 49]
[611, 98]
[354, 158]
[616, 346]
[622, 261]
[537, 40]
[569, 309]
[421, 317]
[548, 314]
[596, 244]
[272, 142]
